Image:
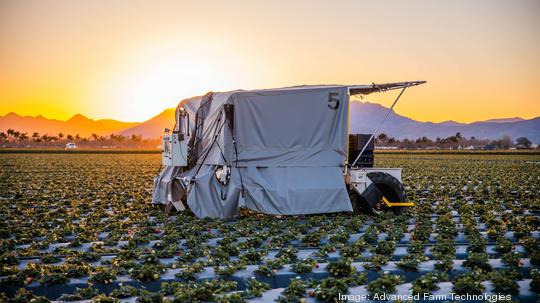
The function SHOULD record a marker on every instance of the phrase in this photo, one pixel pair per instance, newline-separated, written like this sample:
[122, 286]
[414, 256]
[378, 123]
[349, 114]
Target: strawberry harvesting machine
[286, 151]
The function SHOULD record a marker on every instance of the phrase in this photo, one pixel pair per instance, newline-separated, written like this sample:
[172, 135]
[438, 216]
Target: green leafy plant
[328, 290]
[23, 295]
[304, 266]
[312, 239]
[478, 261]
[80, 294]
[535, 280]
[189, 271]
[504, 282]
[255, 288]
[512, 259]
[124, 291]
[341, 267]
[147, 272]
[385, 247]
[428, 282]
[468, 283]
[294, 292]
[103, 275]
[385, 284]
[409, 263]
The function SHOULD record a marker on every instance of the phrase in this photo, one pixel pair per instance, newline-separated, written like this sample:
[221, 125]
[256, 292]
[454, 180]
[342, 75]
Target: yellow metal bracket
[394, 204]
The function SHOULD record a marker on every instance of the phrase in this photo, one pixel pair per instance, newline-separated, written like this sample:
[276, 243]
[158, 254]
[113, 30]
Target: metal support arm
[379, 127]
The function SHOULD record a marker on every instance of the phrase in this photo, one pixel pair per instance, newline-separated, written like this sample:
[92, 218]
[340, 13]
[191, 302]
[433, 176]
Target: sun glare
[158, 79]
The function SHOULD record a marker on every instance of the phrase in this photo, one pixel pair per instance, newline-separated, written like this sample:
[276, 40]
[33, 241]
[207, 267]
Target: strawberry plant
[304, 266]
[504, 282]
[477, 261]
[189, 271]
[428, 282]
[468, 283]
[24, 295]
[103, 275]
[255, 288]
[385, 247]
[124, 291]
[312, 239]
[512, 259]
[341, 267]
[535, 280]
[328, 290]
[294, 292]
[270, 267]
[384, 284]
[147, 272]
[409, 263]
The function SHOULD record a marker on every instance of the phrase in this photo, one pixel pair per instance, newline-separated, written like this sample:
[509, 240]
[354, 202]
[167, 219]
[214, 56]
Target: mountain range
[77, 124]
[365, 117]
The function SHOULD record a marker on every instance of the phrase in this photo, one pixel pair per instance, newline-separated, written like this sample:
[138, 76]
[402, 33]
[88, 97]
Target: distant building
[71, 145]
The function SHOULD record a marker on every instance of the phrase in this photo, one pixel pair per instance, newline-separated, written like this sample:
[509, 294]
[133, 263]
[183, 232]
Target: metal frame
[373, 88]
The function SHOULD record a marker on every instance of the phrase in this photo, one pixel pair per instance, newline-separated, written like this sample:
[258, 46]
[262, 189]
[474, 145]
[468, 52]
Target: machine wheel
[359, 204]
[383, 185]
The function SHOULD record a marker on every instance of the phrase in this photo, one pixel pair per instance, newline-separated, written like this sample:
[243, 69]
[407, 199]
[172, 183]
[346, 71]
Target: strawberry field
[78, 227]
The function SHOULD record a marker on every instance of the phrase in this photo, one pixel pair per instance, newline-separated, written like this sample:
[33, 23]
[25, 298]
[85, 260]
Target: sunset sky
[129, 60]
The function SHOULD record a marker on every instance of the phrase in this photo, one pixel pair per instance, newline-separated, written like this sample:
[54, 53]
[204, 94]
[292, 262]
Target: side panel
[302, 128]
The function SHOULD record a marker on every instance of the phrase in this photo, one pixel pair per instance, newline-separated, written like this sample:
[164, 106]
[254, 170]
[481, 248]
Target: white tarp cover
[290, 148]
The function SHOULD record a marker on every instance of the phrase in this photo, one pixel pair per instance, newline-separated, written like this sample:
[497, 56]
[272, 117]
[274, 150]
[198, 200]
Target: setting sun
[151, 79]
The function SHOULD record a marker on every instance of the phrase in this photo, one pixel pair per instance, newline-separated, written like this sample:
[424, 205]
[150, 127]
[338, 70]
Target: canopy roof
[360, 89]
[373, 88]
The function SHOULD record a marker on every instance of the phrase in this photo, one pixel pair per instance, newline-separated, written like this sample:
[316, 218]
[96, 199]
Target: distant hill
[504, 120]
[77, 124]
[153, 128]
[366, 116]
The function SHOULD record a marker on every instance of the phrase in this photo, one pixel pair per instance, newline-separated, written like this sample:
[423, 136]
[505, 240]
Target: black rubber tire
[358, 203]
[383, 184]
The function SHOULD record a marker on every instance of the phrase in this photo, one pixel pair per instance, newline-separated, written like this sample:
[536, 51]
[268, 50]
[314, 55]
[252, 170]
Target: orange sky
[130, 59]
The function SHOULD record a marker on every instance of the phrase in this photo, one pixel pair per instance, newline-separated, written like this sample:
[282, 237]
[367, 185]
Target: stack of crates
[356, 143]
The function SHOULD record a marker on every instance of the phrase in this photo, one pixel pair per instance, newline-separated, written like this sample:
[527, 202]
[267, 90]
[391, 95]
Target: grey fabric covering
[296, 190]
[291, 128]
[164, 187]
[291, 147]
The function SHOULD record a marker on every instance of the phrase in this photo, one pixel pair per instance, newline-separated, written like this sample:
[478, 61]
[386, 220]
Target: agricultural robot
[285, 151]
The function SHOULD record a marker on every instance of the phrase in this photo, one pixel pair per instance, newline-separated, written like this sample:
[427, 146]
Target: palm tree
[3, 136]
[10, 132]
[23, 136]
[60, 135]
[69, 137]
[94, 136]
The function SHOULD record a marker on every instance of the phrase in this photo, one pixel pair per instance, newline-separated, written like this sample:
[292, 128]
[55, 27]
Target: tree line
[14, 138]
[452, 142]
